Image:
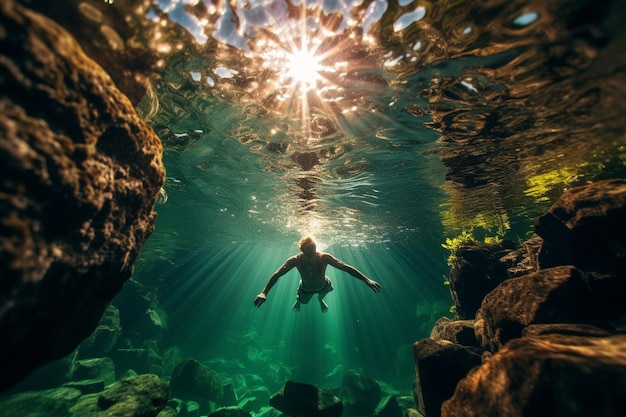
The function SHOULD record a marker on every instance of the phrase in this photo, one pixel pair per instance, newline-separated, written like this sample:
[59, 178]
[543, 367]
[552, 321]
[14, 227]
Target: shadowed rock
[79, 176]
[585, 228]
[141, 395]
[550, 375]
[555, 295]
[476, 271]
[305, 400]
[439, 366]
[192, 380]
[460, 332]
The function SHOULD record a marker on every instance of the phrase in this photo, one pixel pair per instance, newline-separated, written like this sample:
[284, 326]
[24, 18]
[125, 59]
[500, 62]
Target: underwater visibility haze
[381, 128]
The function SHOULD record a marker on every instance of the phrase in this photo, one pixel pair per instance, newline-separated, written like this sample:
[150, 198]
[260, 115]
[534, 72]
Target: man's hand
[260, 299]
[375, 286]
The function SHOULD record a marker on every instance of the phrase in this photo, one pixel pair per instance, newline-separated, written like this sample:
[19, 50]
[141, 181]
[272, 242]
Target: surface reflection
[349, 106]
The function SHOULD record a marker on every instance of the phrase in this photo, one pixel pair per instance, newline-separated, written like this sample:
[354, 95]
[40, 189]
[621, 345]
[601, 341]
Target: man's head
[307, 245]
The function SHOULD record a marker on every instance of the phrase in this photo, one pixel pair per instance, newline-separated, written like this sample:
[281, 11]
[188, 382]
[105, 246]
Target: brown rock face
[555, 295]
[585, 228]
[439, 366]
[552, 375]
[79, 176]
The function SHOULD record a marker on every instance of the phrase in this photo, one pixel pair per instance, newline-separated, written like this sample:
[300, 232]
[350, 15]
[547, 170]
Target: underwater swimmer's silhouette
[312, 267]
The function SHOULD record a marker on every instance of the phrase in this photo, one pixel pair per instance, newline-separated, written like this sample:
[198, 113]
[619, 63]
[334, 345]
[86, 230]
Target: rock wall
[80, 173]
[543, 334]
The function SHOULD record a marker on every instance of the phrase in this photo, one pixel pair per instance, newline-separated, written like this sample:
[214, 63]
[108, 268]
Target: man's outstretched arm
[286, 267]
[375, 286]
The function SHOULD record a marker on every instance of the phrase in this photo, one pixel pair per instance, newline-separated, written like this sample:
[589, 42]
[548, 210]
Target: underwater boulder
[555, 295]
[304, 400]
[86, 386]
[359, 393]
[141, 395]
[46, 403]
[80, 175]
[476, 271]
[585, 228]
[254, 399]
[388, 407]
[460, 332]
[101, 341]
[439, 366]
[550, 375]
[229, 412]
[192, 380]
[95, 368]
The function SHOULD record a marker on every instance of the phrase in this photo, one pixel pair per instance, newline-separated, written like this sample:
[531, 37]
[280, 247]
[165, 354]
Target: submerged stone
[476, 271]
[585, 228]
[388, 407]
[95, 368]
[439, 366]
[47, 403]
[86, 386]
[142, 395]
[550, 375]
[229, 412]
[360, 393]
[305, 400]
[80, 174]
[555, 295]
[192, 380]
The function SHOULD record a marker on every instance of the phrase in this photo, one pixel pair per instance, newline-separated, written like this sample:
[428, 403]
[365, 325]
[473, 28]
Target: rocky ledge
[80, 173]
[541, 328]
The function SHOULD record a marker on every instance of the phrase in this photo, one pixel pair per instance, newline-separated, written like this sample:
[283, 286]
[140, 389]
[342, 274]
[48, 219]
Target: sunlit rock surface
[555, 295]
[552, 340]
[552, 375]
[80, 174]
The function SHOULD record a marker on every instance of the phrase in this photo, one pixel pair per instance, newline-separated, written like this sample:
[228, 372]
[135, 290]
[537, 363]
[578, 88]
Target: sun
[303, 69]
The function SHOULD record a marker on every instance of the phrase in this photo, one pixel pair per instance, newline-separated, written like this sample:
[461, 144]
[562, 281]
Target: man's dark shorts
[305, 295]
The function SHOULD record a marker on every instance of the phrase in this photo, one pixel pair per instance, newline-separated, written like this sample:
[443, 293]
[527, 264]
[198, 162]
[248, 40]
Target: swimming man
[312, 267]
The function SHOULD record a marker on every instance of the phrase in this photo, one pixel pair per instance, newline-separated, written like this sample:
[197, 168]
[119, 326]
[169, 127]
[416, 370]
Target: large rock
[192, 380]
[359, 393]
[439, 366]
[102, 340]
[460, 332]
[585, 228]
[388, 407]
[46, 403]
[551, 375]
[305, 400]
[555, 295]
[141, 395]
[95, 368]
[476, 270]
[79, 176]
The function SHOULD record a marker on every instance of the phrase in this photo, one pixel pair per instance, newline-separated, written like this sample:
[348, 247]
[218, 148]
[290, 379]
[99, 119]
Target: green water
[474, 117]
[426, 120]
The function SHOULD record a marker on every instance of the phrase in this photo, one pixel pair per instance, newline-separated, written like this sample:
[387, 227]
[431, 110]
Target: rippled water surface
[379, 127]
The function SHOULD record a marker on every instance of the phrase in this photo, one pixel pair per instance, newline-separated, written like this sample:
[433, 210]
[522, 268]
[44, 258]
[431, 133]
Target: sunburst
[304, 69]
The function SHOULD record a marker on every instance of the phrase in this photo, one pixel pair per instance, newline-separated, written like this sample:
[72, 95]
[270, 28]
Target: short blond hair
[306, 240]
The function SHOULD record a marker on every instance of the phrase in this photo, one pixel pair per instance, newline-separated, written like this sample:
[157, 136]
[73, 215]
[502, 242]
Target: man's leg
[301, 298]
[320, 296]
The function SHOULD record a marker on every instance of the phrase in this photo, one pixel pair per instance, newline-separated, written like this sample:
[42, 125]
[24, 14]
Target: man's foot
[324, 306]
[296, 306]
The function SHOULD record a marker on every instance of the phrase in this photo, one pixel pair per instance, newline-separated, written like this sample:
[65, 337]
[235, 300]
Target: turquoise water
[421, 122]
[410, 123]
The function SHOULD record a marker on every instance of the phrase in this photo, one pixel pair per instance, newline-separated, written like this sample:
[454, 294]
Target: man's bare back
[312, 268]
